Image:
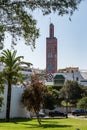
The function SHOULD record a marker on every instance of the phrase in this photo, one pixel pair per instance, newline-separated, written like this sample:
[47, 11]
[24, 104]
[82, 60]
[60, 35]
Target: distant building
[51, 54]
[70, 73]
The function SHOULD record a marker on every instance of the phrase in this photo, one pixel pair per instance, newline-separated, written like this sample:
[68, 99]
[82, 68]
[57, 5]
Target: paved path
[78, 117]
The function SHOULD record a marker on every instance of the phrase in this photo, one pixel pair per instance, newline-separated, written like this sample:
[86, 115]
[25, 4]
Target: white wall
[17, 108]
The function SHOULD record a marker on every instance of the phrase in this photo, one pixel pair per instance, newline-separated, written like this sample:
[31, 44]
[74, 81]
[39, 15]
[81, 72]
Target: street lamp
[67, 106]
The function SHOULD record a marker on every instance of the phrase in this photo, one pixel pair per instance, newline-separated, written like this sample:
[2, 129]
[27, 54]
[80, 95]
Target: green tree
[49, 102]
[84, 88]
[33, 96]
[82, 103]
[71, 92]
[11, 73]
[51, 98]
[16, 17]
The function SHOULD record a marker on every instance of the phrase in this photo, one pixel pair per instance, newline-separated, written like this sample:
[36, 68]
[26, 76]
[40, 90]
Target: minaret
[51, 53]
[51, 31]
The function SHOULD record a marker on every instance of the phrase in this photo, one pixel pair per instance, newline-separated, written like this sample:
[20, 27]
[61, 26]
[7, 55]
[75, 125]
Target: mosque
[53, 76]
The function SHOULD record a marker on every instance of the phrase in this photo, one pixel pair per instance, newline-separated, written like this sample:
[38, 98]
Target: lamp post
[67, 106]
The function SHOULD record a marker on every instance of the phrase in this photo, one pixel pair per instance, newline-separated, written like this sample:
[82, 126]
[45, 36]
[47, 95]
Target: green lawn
[48, 124]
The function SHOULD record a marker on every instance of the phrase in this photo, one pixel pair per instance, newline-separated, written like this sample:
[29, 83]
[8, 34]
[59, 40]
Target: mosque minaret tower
[51, 53]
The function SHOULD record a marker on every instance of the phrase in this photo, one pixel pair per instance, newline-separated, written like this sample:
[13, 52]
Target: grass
[47, 124]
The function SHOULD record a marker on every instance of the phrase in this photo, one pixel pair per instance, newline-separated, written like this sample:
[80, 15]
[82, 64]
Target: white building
[73, 74]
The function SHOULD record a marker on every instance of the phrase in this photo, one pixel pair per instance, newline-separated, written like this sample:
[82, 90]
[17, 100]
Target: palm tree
[11, 73]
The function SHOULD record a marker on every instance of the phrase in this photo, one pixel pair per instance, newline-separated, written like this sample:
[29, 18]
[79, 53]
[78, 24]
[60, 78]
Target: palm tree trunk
[8, 101]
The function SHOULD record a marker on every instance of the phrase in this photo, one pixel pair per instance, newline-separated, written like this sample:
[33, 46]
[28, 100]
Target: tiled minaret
[51, 53]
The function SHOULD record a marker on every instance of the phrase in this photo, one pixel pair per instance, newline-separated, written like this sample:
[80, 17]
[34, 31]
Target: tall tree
[51, 98]
[71, 92]
[16, 17]
[11, 73]
[33, 96]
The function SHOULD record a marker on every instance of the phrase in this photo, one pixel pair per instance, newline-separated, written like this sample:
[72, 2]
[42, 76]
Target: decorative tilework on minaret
[51, 52]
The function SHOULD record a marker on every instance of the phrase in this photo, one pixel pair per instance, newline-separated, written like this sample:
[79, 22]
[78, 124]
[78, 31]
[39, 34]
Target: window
[50, 66]
[50, 55]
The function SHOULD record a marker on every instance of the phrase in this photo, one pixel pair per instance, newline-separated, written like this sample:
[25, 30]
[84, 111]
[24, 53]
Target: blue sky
[71, 36]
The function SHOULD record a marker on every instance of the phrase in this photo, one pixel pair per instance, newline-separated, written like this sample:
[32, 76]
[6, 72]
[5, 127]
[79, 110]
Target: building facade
[70, 73]
[51, 53]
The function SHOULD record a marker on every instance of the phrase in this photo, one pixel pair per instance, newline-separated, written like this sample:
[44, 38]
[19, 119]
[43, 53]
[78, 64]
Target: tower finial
[50, 20]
